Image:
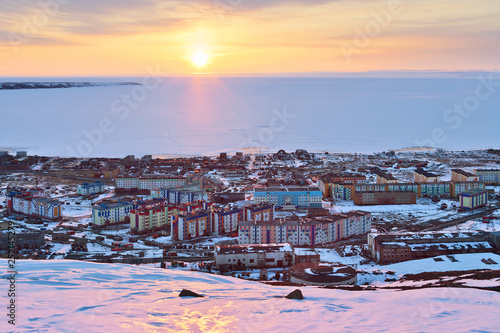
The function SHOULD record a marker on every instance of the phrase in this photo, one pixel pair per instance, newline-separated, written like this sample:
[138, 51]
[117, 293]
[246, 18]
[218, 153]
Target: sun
[200, 59]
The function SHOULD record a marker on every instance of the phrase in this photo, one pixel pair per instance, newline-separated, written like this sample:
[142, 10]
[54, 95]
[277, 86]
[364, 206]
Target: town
[294, 217]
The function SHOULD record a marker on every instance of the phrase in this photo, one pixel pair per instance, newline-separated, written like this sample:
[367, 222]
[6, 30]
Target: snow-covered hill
[53, 85]
[73, 296]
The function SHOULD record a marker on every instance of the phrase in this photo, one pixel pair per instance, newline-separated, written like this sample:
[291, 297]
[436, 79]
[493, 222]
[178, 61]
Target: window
[251, 260]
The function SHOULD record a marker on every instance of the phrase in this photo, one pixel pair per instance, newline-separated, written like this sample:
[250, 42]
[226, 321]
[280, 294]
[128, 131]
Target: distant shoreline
[58, 85]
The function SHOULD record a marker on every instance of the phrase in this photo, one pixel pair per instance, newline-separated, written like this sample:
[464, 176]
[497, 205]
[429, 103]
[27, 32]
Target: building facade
[225, 221]
[149, 182]
[308, 231]
[32, 202]
[191, 225]
[392, 248]
[385, 198]
[473, 199]
[255, 256]
[422, 176]
[459, 175]
[459, 187]
[488, 176]
[179, 196]
[302, 197]
[113, 213]
[259, 212]
[144, 220]
[89, 189]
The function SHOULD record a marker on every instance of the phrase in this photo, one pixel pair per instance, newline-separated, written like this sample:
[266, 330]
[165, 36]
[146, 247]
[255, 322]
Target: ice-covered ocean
[208, 115]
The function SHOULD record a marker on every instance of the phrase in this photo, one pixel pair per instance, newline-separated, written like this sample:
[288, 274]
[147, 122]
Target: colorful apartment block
[341, 191]
[435, 190]
[459, 187]
[308, 231]
[32, 202]
[488, 176]
[46, 207]
[143, 220]
[259, 212]
[225, 221]
[301, 197]
[473, 199]
[149, 182]
[422, 176]
[385, 198]
[89, 189]
[113, 213]
[385, 178]
[179, 196]
[459, 175]
[191, 225]
[325, 183]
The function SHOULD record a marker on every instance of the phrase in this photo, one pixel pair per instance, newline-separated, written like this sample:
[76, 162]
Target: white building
[149, 182]
[255, 256]
[106, 214]
[127, 182]
[89, 189]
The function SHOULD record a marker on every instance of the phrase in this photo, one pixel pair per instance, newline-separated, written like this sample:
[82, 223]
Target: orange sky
[124, 37]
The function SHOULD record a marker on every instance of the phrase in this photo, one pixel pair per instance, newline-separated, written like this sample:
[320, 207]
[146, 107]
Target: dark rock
[296, 294]
[189, 293]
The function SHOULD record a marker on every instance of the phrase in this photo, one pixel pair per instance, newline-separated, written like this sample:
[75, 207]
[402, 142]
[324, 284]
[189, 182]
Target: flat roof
[238, 249]
[286, 189]
[425, 173]
[112, 205]
[462, 172]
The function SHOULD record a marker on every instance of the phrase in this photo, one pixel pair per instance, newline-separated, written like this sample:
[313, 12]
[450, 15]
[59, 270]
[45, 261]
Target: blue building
[89, 189]
[473, 199]
[298, 196]
[179, 196]
[488, 176]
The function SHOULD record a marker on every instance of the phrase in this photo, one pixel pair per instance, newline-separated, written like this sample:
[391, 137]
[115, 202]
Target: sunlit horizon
[117, 38]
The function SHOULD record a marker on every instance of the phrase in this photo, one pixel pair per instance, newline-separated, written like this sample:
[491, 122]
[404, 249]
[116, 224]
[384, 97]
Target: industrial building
[397, 247]
[254, 256]
[24, 240]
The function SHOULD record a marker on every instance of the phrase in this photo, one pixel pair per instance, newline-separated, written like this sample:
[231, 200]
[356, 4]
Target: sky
[127, 37]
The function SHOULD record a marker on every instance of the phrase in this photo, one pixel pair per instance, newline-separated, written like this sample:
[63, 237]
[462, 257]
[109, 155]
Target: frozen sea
[208, 115]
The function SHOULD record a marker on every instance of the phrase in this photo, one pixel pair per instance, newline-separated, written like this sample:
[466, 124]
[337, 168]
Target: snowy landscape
[65, 296]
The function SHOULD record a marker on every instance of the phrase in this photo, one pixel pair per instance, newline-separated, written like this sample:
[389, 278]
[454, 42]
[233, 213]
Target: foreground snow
[68, 296]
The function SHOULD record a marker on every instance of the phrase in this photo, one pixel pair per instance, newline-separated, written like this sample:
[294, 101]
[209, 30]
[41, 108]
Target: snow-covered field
[71, 296]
